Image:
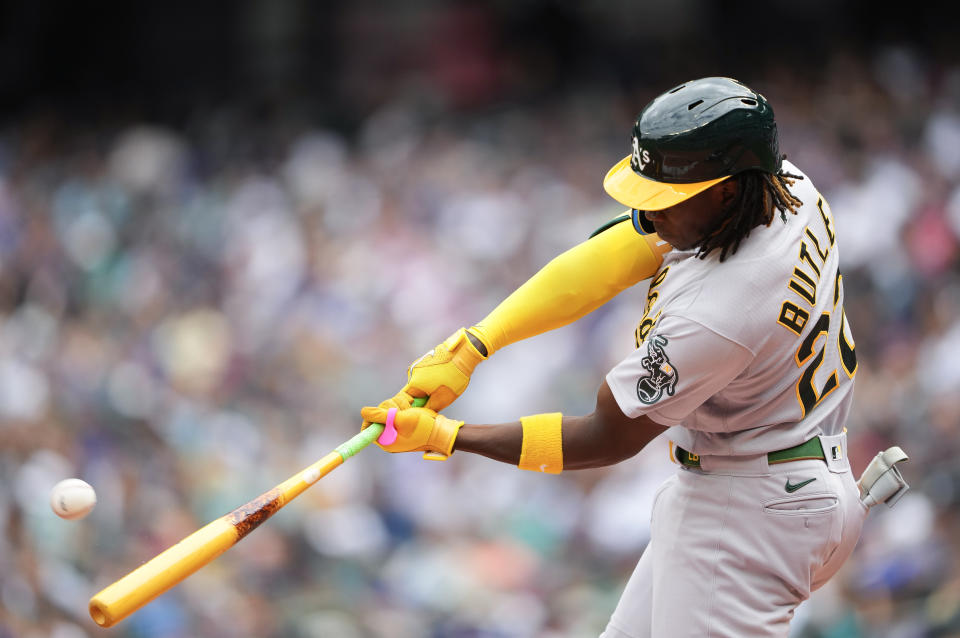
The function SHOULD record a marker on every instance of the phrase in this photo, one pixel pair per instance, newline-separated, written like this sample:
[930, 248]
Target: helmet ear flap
[641, 224]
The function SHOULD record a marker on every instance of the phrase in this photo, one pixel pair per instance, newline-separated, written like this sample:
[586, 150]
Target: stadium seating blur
[216, 247]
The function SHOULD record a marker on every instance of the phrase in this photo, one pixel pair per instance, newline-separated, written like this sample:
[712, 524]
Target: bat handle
[370, 434]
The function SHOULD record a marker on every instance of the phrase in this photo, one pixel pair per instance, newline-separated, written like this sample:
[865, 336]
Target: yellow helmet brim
[635, 191]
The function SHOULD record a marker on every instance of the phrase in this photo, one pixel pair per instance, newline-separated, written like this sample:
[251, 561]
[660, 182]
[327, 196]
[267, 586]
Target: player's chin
[671, 238]
[662, 229]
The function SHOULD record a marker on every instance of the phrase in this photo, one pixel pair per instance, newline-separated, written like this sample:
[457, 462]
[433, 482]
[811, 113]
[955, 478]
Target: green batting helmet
[693, 136]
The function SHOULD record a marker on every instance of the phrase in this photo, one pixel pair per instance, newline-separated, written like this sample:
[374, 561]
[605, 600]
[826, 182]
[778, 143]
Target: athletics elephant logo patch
[661, 375]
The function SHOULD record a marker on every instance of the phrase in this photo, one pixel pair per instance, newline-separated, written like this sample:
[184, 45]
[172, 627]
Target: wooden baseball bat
[163, 571]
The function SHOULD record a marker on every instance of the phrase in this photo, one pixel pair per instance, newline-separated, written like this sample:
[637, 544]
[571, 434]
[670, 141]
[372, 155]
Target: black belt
[809, 450]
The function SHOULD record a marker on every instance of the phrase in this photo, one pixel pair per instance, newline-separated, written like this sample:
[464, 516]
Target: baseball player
[743, 354]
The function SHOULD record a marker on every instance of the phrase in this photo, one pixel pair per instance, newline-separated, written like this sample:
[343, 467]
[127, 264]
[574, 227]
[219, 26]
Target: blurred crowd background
[225, 227]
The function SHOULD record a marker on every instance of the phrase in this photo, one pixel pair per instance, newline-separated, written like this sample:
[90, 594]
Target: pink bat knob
[389, 434]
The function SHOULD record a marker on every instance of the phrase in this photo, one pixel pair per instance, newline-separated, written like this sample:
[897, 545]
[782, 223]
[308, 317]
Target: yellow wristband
[542, 449]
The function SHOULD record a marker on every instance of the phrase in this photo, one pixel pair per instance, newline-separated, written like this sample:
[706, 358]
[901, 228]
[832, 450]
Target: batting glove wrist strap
[465, 354]
[443, 373]
[442, 438]
[542, 449]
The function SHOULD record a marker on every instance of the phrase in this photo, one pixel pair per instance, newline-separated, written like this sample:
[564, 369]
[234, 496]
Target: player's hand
[401, 401]
[443, 373]
[418, 429]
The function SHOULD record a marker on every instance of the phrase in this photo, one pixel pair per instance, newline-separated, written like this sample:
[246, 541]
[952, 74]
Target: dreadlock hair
[758, 196]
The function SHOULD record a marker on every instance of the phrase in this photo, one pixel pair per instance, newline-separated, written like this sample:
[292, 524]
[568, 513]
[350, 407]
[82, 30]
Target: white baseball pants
[733, 552]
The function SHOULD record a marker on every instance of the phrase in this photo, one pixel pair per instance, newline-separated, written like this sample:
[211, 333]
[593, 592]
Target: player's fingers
[412, 392]
[440, 399]
[401, 400]
[407, 421]
[373, 415]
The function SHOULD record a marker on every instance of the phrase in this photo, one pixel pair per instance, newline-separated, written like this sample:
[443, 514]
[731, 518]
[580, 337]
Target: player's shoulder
[736, 297]
[802, 186]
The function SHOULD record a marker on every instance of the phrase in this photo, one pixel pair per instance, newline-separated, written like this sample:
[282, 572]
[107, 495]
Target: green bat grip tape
[368, 435]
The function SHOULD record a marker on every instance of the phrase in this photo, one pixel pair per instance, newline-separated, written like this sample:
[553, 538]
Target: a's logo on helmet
[641, 157]
[661, 375]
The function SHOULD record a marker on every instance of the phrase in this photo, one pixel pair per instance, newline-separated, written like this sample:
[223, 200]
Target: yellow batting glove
[414, 430]
[443, 373]
[401, 401]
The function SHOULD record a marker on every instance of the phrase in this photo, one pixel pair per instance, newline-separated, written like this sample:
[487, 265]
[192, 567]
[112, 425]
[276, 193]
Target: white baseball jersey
[752, 354]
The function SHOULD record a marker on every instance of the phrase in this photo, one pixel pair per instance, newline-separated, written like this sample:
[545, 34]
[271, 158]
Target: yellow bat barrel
[136, 589]
[162, 572]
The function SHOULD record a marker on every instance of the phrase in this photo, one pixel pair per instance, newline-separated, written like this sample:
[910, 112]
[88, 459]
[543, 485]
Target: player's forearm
[581, 449]
[572, 285]
[588, 441]
[501, 442]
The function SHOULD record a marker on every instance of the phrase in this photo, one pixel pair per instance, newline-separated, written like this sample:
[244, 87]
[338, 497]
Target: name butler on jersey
[791, 314]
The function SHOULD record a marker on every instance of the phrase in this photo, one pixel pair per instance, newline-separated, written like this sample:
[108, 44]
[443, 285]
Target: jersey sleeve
[680, 366]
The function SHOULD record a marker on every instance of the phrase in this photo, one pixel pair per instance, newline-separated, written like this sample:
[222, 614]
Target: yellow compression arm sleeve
[573, 284]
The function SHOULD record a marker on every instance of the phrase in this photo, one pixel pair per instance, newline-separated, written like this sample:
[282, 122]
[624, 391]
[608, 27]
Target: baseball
[72, 499]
